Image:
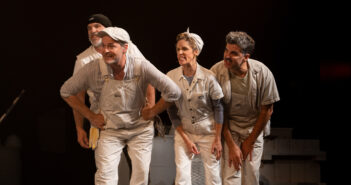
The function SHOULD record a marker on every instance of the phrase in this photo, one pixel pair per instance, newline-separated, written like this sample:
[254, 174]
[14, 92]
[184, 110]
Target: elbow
[178, 92]
[268, 109]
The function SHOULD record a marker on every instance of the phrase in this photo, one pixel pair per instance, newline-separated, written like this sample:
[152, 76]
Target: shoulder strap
[103, 69]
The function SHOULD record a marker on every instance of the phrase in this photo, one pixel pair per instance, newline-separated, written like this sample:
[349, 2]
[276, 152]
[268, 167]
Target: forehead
[183, 42]
[233, 47]
[95, 24]
[107, 39]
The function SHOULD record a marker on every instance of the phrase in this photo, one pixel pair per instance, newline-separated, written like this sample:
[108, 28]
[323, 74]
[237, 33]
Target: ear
[196, 52]
[247, 56]
[125, 48]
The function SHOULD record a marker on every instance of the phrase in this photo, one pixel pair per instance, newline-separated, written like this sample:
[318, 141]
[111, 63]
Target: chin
[110, 61]
[95, 41]
[182, 62]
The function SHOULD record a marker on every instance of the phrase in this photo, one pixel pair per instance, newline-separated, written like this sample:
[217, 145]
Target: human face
[233, 57]
[93, 30]
[112, 51]
[185, 54]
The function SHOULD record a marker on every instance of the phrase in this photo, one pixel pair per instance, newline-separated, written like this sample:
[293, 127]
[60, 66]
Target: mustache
[108, 55]
[228, 59]
[94, 34]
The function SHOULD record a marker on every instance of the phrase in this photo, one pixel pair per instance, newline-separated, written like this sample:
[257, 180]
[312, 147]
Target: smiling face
[185, 53]
[93, 30]
[112, 50]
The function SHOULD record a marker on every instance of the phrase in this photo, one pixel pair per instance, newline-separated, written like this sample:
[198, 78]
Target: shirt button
[190, 109]
[189, 99]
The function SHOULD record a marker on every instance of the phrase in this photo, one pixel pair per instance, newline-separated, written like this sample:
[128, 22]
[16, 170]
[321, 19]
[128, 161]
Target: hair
[121, 42]
[186, 37]
[242, 39]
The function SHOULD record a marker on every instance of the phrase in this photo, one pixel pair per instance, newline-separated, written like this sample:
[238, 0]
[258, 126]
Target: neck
[98, 48]
[190, 69]
[118, 68]
[240, 71]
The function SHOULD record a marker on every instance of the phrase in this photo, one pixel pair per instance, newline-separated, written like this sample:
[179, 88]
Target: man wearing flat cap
[119, 83]
[95, 24]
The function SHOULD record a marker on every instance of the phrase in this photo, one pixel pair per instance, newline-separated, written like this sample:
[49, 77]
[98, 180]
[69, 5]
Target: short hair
[241, 39]
[121, 42]
[186, 37]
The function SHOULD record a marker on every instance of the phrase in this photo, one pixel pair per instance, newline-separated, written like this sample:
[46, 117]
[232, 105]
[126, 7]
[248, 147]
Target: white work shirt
[195, 103]
[90, 77]
[88, 55]
[261, 90]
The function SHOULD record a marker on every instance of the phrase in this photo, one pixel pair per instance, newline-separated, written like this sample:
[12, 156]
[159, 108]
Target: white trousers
[109, 149]
[183, 159]
[249, 172]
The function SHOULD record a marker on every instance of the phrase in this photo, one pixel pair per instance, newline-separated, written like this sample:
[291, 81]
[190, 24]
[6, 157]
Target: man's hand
[82, 138]
[97, 120]
[217, 148]
[246, 148]
[147, 113]
[235, 157]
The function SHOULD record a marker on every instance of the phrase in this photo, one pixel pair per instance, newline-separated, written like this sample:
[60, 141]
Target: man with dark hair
[249, 90]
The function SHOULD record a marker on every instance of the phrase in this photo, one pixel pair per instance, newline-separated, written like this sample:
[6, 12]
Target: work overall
[198, 123]
[121, 102]
[242, 117]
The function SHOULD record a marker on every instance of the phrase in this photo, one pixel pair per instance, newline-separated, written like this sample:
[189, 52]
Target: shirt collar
[198, 74]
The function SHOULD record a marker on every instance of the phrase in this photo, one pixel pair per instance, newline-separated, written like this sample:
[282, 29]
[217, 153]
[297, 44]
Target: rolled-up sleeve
[170, 92]
[214, 88]
[173, 116]
[76, 83]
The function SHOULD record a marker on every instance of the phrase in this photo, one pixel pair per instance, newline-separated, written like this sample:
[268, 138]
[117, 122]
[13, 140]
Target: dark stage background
[41, 40]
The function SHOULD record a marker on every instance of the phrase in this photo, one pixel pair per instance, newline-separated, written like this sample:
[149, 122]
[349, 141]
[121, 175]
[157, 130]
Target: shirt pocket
[201, 103]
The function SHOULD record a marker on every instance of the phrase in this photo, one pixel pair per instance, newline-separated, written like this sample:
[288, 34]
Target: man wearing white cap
[198, 114]
[95, 24]
[249, 92]
[119, 83]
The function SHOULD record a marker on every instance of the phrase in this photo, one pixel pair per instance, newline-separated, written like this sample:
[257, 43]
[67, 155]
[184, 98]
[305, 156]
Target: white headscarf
[198, 41]
[117, 33]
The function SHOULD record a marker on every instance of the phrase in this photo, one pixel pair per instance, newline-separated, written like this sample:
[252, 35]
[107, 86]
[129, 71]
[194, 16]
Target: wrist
[218, 138]
[250, 141]
[79, 128]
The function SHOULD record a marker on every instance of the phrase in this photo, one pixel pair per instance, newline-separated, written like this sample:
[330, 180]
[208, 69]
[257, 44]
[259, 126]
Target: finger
[238, 167]
[86, 140]
[195, 149]
[240, 163]
[219, 153]
[83, 145]
[244, 157]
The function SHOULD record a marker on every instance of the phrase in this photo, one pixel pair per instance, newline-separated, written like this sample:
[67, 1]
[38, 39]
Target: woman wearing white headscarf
[198, 114]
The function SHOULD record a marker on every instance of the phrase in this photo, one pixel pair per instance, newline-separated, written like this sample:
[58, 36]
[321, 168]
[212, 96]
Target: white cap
[198, 41]
[115, 33]
[119, 34]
